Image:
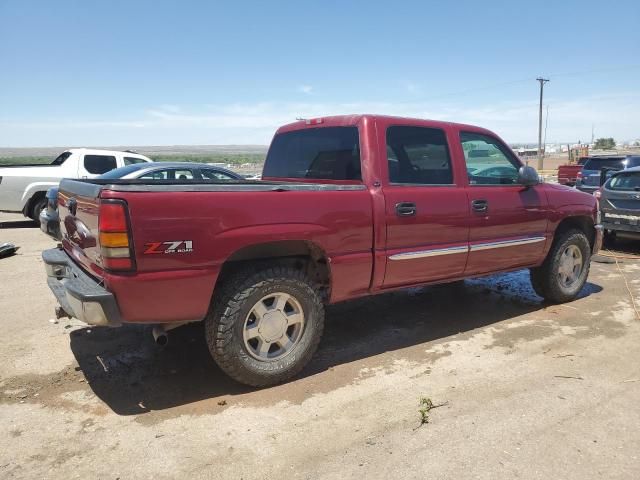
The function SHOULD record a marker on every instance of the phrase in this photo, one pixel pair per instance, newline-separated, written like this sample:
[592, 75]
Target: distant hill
[145, 150]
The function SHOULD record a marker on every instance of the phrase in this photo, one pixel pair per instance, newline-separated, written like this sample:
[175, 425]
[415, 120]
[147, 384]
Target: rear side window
[168, 174]
[133, 160]
[60, 159]
[215, 175]
[98, 164]
[625, 181]
[418, 155]
[331, 153]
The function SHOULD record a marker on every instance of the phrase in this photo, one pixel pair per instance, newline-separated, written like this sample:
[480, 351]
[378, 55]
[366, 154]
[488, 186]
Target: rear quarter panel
[179, 285]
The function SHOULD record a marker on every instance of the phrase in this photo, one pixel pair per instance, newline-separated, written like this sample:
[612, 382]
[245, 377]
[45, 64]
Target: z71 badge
[179, 246]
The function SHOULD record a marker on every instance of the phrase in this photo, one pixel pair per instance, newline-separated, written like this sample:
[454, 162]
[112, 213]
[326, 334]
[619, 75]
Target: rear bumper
[79, 294]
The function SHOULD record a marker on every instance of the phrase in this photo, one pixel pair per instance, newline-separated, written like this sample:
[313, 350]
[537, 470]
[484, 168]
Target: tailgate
[78, 207]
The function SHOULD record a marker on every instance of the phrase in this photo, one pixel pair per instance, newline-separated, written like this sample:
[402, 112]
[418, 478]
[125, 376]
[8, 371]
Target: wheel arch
[301, 254]
[584, 223]
[35, 197]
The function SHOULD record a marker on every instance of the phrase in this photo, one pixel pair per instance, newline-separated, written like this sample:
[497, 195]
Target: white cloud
[306, 89]
[238, 123]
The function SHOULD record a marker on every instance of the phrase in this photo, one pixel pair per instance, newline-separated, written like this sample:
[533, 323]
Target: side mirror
[528, 176]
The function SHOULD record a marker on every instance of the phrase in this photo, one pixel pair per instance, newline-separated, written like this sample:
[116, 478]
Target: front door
[426, 213]
[508, 222]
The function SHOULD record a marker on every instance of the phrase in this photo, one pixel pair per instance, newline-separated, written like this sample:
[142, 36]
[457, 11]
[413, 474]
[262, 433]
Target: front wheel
[265, 325]
[564, 272]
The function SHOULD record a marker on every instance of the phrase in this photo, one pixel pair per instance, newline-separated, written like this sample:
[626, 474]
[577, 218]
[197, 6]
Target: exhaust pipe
[160, 336]
[160, 332]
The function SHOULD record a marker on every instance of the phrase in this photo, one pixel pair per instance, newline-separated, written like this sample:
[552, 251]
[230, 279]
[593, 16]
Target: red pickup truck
[349, 206]
[568, 174]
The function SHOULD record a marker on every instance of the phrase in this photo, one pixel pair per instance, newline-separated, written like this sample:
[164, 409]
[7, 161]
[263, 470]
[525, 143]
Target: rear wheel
[39, 204]
[265, 326]
[565, 270]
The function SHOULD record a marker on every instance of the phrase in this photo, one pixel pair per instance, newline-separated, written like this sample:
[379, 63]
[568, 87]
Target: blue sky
[205, 72]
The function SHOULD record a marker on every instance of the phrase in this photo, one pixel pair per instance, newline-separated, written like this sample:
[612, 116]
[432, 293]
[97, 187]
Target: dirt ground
[529, 390]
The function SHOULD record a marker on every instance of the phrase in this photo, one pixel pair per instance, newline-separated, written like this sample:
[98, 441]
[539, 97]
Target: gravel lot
[530, 391]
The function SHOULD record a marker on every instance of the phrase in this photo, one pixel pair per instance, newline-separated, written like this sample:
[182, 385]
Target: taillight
[115, 241]
[597, 194]
[579, 174]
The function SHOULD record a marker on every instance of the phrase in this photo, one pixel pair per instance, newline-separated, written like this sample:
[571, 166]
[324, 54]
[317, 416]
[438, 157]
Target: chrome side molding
[505, 243]
[429, 253]
[465, 248]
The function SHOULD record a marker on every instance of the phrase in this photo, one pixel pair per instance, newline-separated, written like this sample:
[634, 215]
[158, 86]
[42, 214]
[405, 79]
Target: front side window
[331, 153]
[488, 161]
[98, 164]
[418, 155]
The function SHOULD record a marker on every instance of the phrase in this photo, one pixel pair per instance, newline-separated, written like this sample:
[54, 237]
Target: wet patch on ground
[132, 376]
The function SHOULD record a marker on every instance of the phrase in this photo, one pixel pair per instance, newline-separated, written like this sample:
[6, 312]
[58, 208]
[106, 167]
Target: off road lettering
[177, 246]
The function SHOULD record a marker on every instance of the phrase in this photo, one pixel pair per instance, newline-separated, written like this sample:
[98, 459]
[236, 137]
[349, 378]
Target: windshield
[331, 153]
[122, 171]
[625, 181]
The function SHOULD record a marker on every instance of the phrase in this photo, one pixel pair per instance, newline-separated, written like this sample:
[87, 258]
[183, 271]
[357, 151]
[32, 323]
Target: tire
[551, 280]
[39, 204]
[234, 318]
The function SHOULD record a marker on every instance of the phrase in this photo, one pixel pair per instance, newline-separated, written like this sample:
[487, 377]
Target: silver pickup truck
[23, 187]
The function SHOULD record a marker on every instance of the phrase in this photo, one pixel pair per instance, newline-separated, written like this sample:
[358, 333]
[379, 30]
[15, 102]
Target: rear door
[426, 213]
[508, 222]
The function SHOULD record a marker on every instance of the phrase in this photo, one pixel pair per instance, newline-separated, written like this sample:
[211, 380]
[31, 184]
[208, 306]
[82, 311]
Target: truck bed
[219, 220]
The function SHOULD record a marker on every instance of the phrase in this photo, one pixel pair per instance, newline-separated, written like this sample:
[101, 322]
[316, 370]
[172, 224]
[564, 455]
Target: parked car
[161, 171]
[620, 202]
[568, 174]
[596, 170]
[349, 206]
[23, 187]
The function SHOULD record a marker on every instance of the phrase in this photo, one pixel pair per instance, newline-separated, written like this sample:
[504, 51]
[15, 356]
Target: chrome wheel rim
[570, 266]
[273, 326]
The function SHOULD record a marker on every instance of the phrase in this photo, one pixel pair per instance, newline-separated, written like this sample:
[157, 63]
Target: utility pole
[540, 162]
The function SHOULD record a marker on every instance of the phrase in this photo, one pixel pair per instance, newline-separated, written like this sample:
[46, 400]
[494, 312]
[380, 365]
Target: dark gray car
[620, 202]
[598, 169]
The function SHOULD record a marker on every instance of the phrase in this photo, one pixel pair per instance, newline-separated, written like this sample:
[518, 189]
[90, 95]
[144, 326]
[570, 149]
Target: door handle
[406, 209]
[480, 205]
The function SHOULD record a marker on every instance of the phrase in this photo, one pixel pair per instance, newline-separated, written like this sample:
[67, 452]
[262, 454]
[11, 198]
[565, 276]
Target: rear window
[599, 163]
[120, 172]
[133, 160]
[331, 153]
[98, 164]
[625, 181]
